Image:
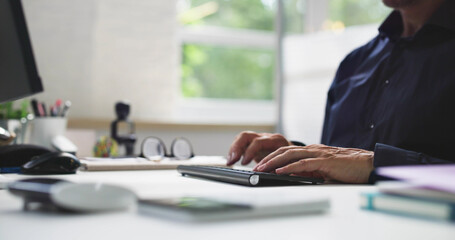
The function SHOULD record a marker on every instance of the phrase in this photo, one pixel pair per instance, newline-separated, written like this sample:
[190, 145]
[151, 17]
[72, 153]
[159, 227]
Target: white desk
[344, 220]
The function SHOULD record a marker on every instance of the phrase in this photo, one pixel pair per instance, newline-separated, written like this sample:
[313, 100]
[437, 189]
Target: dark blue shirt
[396, 95]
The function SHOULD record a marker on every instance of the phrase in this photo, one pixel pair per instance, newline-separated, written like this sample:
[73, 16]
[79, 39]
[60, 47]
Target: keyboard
[244, 177]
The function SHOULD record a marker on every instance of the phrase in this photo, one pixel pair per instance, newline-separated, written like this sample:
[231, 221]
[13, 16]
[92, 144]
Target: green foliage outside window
[219, 72]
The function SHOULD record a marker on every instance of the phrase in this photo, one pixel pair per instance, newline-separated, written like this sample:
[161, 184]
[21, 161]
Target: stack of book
[422, 191]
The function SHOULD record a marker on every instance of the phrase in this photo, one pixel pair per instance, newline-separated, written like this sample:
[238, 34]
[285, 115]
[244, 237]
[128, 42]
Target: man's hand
[254, 146]
[349, 165]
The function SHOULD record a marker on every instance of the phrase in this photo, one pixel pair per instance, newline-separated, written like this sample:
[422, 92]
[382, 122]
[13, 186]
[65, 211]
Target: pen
[66, 106]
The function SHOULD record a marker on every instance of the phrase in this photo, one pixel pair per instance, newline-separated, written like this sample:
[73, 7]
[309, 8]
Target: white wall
[95, 52]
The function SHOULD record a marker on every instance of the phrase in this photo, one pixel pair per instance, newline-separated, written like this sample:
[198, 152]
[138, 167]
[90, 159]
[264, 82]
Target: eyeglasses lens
[153, 149]
[181, 149]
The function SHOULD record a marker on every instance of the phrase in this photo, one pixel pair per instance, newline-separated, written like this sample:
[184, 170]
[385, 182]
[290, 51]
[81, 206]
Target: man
[391, 103]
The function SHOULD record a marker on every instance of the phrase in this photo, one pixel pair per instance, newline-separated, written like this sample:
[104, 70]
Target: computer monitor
[18, 73]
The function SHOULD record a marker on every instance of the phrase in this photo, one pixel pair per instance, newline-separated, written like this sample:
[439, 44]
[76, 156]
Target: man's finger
[257, 148]
[239, 146]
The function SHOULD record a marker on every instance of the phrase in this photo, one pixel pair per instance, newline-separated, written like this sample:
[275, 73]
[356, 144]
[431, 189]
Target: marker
[35, 108]
[58, 107]
[66, 106]
[41, 110]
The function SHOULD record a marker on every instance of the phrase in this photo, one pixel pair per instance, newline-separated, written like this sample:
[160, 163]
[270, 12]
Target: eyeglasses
[154, 149]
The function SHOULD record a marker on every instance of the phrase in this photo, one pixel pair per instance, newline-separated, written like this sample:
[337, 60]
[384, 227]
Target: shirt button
[386, 82]
[372, 126]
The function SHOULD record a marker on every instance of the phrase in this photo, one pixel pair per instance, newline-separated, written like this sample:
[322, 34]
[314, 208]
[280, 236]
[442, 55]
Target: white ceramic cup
[44, 129]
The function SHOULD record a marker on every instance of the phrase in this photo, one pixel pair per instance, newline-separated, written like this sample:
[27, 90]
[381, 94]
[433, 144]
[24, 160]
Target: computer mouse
[52, 163]
[64, 195]
[92, 197]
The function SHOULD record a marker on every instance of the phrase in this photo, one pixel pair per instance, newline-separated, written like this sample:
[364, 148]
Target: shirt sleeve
[386, 155]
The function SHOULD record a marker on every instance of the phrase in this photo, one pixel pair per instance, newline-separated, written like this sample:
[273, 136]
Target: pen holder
[44, 129]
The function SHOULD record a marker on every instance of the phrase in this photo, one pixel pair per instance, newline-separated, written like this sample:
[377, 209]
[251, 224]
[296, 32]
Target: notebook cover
[408, 206]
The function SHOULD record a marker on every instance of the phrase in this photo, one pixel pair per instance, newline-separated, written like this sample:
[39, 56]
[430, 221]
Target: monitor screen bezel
[33, 77]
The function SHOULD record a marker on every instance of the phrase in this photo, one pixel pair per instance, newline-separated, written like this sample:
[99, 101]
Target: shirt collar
[444, 17]
[392, 27]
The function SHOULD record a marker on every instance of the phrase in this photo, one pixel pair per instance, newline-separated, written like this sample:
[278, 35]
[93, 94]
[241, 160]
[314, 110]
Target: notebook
[138, 163]
[409, 206]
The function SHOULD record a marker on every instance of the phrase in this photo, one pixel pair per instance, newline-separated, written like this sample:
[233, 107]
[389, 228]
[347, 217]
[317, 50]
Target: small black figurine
[122, 109]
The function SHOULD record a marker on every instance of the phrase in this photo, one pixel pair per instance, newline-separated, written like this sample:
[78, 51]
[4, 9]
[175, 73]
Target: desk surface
[344, 220]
